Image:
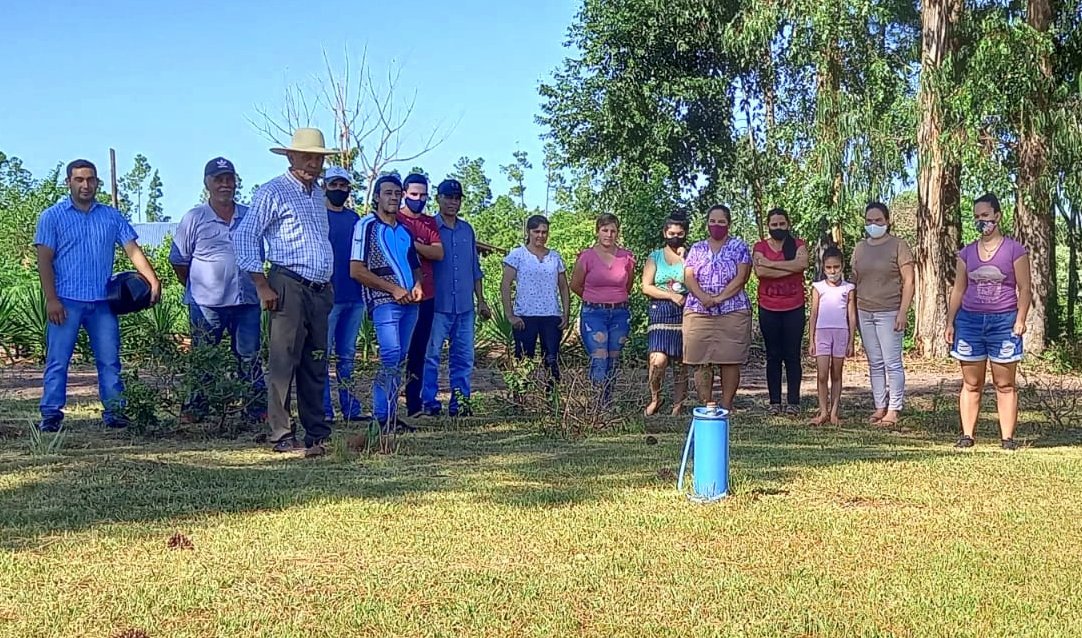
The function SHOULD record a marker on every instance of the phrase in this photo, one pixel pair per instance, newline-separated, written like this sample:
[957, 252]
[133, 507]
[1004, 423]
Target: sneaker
[792, 410]
[1009, 445]
[316, 450]
[964, 443]
[287, 444]
[358, 418]
[775, 409]
[50, 425]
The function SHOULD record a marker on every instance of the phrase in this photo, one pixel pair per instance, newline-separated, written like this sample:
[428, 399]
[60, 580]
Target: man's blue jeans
[243, 323]
[394, 324]
[343, 324]
[104, 331]
[459, 329]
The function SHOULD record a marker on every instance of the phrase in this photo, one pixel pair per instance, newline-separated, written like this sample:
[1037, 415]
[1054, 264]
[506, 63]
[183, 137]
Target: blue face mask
[416, 205]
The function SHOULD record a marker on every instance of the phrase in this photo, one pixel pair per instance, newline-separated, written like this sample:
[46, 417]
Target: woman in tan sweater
[882, 268]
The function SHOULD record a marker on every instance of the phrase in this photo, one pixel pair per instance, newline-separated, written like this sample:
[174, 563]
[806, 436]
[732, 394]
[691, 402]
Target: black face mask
[337, 198]
[779, 234]
[675, 242]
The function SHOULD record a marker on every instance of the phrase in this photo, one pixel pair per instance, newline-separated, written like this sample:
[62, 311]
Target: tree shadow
[105, 484]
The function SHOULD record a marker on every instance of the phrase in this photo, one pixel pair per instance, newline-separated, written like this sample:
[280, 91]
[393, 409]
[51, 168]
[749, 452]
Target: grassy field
[495, 531]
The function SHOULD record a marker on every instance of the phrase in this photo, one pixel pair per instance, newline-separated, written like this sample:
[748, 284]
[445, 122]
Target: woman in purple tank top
[986, 319]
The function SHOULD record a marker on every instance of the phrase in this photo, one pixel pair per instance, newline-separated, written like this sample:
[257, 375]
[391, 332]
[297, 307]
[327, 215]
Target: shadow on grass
[84, 488]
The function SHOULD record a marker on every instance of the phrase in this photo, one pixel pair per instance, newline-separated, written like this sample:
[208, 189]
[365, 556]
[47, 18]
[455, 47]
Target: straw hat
[306, 140]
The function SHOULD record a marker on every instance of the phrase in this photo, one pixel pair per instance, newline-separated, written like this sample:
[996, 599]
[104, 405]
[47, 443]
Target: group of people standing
[318, 268]
[700, 316]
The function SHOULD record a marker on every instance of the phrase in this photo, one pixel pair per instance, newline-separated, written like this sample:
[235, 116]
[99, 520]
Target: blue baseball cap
[449, 188]
[218, 166]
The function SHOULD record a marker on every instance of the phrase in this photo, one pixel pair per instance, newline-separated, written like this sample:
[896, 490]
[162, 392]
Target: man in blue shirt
[220, 296]
[75, 242]
[348, 311]
[385, 262]
[458, 280]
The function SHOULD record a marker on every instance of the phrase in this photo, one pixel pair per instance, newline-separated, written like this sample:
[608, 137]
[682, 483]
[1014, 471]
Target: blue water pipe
[709, 433]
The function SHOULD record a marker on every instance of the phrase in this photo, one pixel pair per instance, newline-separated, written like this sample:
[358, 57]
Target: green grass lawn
[494, 531]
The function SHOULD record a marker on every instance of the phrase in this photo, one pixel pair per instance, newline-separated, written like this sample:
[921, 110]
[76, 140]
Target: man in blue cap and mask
[344, 322]
[220, 295]
[76, 241]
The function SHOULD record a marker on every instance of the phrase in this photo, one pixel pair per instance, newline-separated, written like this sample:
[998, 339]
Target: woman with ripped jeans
[602, 278]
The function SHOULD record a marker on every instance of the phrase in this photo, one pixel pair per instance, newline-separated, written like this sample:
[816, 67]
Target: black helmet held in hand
[127, 292]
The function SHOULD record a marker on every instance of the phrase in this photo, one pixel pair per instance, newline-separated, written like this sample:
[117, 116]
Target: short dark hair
[880, 206]
[607, 219]
[81, 163]
[723, 208]
[393, 179]
[990, 199]
[414, 178]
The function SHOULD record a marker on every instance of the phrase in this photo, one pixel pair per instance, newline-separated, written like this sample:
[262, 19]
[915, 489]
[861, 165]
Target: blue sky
[176, 81]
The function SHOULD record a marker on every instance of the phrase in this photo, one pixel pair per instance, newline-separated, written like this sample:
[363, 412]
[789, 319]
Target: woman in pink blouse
[717, 314]
[602, 278]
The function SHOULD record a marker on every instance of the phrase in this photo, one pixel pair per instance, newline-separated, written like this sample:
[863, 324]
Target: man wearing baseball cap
[220, 295]
[458, 278]
[344, 322]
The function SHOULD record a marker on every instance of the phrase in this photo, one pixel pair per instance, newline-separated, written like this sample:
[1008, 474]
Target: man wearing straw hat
[288, 214]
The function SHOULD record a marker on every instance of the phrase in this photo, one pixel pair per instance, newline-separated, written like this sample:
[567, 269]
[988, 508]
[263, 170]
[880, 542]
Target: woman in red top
[780, 262]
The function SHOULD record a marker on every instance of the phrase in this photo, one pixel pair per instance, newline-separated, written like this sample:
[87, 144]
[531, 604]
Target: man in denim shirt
[220, 296]
[75, 242]
[458, 278]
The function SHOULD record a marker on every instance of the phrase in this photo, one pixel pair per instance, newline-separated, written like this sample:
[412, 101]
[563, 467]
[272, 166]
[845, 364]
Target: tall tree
[371, 116]
[154, 209]
[516, 174]
[133, 185]
[1035, 221]
[939, 175]
[476, 186]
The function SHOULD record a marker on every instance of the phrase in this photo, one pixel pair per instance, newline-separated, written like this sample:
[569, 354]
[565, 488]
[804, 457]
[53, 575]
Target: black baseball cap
[449, 188]
[218, 166]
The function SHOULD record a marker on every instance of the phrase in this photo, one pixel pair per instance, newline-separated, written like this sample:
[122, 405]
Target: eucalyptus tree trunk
[1034, 222]
[938, 228]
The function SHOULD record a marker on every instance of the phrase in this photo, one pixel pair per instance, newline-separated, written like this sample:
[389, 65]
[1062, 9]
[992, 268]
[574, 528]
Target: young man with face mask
[429, 247]
[344, 322]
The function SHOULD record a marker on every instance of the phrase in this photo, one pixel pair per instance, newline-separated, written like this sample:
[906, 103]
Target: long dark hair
[788, 247]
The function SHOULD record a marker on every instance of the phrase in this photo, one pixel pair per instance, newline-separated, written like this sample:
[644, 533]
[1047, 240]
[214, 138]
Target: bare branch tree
[370, 122]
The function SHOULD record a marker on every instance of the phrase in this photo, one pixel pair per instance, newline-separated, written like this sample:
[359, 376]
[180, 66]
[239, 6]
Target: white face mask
[875, 231]
[834, 277]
